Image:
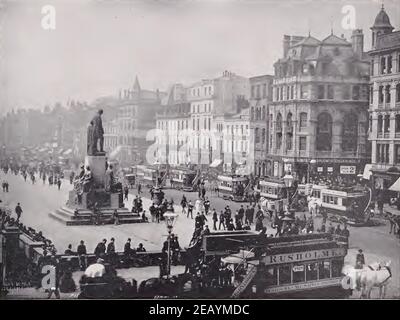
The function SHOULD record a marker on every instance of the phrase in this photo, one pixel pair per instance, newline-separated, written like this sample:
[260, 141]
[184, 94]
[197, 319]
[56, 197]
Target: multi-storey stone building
[208, 99]
[260, 98]
[135, 117]
[173, 128]
[385, 102]
[319, 112]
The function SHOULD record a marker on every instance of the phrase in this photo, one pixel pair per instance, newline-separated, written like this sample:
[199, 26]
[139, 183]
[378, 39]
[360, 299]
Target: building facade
[384, 109]
[319, 112]
[135, 116]
[172, 123]
[260, 98]
[208, 99]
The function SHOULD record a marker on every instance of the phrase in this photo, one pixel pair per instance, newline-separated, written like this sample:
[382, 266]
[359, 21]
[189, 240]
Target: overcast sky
[99, 46]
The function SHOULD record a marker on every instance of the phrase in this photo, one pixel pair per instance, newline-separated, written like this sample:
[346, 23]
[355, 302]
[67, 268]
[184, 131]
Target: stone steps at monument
[66, 216]
[87, 214]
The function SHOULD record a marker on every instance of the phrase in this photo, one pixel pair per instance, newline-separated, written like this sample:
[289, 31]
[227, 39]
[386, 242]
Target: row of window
[289, 120]
[330, 92]
[206, 91]
[289, 142]
[382, 153]
[385, 65]
[203, 107]
[258, 113]
[236, 146]
[206, 124]
[303, 272]
[324, 133]
[256, 91]
[384, 123]
[384, 95]
[175, 125]
[237, 129]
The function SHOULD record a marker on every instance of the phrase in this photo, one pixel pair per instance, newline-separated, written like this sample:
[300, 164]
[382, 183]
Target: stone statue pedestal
[97, 166]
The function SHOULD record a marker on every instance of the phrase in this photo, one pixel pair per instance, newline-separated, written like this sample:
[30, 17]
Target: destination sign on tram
[304, 256]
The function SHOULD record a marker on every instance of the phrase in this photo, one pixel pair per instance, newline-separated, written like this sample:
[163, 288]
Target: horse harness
[380, 268]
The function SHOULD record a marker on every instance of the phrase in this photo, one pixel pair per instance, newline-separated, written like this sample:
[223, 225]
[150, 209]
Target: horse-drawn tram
[274, 191]
[151, 174]
[348, 205]
[233, 187]
[183, 179]
[300, 266]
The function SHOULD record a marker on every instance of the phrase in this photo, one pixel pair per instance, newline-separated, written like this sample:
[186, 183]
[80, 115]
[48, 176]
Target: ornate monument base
[97, 165]
[79, 209]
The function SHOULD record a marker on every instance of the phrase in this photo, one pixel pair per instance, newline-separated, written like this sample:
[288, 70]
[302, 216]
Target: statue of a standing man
[98, 132]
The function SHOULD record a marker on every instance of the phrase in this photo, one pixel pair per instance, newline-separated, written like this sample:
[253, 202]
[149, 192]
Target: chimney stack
[357, 41]
[286, 40]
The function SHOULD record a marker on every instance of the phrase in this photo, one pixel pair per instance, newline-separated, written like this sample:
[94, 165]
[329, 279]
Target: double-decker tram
[348, 205]
[298, 266]
[183, 179]
[233, 187]
[152, 174]
[274, 191]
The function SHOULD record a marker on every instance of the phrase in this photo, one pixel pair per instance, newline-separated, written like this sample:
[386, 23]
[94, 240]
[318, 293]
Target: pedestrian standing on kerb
[215, 219]
[18, 211]
[126, 192]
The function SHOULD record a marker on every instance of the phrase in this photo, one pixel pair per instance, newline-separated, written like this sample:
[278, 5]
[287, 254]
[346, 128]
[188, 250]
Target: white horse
[375, 275]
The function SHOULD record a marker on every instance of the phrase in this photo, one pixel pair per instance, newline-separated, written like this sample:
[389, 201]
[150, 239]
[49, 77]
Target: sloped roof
[309, 41]
[382, 20]
[335, 40]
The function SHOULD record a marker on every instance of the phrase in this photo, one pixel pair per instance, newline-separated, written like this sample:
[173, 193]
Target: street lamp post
[288, 180]
[312, 161]
[170, 219]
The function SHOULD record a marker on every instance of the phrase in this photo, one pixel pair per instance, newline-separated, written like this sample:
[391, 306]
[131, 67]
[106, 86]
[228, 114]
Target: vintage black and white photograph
[199, 149]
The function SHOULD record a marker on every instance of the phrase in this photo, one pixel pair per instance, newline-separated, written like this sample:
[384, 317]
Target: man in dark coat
[360, 260]
[100, 248]
[81, 250]
[18, 211]
[127, 247]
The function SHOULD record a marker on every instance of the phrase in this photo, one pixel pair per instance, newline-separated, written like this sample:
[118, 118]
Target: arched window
[252, 113]
[257, 135]
[386, 126]
[398, 89]
[397, 123]
[324, 132]
[279, 122]
[380, 123]
[263, 136]
[350, 132]
[289, 119]
[279, 131]
[387, 93]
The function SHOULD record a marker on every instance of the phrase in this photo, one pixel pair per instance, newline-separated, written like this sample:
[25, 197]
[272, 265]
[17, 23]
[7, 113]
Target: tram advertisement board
[306, 285]
[304, 256]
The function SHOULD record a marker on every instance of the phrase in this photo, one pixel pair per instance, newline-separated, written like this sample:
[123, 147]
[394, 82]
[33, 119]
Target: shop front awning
[215, 163]
[367, 171]
[395, 186]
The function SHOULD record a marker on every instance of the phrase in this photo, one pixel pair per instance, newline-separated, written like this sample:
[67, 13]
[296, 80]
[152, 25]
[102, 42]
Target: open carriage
[232, 187]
